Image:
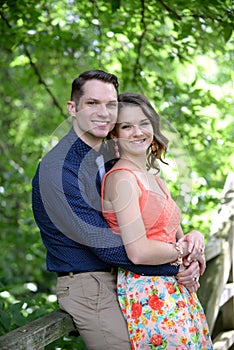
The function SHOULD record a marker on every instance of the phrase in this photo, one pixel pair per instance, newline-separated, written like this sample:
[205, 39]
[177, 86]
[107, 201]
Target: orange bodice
[160, 214]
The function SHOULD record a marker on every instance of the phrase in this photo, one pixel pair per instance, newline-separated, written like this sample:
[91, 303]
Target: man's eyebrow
[97, 100]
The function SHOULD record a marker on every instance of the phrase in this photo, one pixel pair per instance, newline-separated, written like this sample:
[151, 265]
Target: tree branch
[216, 16]
[36, 70]
[170, 10]
[137, 65]
[41, 81]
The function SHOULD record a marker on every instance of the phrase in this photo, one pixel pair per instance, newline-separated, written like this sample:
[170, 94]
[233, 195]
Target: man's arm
[73, 213]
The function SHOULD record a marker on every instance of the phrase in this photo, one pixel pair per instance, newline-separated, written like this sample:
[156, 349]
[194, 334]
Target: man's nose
[102, 110]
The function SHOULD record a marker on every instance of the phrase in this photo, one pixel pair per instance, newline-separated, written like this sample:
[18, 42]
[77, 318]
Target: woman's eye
[126, 127]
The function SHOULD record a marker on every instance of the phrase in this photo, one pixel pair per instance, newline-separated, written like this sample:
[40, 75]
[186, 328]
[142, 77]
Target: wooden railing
[217, 284]
[216, 292]
[39, 333]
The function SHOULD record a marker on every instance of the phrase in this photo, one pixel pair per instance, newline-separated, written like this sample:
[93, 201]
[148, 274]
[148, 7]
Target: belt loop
[71, 274]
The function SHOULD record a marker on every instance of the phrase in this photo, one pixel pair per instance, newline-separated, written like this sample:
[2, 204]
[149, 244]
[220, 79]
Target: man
[66, 204]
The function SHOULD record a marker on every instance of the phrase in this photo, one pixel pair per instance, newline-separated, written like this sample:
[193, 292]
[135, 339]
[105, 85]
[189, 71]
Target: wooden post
[228, 307]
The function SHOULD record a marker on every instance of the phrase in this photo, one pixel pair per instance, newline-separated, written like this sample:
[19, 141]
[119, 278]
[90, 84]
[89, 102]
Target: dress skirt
[161, 313]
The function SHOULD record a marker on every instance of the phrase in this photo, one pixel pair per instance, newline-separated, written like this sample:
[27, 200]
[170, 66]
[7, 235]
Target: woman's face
[134, 131]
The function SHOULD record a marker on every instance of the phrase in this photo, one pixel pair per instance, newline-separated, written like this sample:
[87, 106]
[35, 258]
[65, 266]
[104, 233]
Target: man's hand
[189, 276]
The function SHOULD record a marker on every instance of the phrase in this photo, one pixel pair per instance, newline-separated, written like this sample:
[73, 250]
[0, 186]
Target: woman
[161, 313]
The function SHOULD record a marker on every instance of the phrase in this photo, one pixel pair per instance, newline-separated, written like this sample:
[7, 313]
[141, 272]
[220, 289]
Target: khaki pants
[91, 299]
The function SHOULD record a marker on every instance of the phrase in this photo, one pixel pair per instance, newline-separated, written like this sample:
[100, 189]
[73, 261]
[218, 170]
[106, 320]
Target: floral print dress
[160, 312]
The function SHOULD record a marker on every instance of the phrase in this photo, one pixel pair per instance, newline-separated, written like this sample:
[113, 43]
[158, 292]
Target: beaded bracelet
[179, 260]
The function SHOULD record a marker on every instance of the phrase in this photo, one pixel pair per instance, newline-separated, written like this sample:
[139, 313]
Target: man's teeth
[100, 123]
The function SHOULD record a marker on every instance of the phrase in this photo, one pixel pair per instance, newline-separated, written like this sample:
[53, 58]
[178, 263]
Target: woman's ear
[113, 136]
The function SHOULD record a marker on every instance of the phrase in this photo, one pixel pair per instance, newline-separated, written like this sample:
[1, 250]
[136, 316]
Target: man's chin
[100, 134]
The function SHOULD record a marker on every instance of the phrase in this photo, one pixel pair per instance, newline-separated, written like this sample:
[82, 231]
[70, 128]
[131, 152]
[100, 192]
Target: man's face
[96, 113]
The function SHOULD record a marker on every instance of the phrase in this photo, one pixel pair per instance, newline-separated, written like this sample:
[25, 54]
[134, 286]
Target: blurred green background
[177, 53]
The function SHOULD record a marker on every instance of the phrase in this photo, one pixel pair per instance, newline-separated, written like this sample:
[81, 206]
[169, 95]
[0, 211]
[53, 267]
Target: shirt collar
[83, 149]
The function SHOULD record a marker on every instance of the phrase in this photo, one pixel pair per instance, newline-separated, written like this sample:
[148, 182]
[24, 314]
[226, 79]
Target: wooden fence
[216, 292]
[217, 284]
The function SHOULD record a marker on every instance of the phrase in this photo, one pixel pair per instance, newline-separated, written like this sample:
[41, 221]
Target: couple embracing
[126, 272]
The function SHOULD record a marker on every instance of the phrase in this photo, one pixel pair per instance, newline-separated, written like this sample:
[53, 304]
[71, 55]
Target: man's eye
[91, 103]
[111, 105]
[145, 123]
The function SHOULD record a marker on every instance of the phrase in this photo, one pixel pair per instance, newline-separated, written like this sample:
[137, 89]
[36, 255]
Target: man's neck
[91, 141]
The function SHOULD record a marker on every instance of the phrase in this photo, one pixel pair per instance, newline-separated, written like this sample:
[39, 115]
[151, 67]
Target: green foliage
[16, 313]
[178, 53]
[73, 342]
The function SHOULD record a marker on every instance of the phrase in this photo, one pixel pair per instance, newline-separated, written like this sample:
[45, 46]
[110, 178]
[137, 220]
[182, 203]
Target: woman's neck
[138, 162]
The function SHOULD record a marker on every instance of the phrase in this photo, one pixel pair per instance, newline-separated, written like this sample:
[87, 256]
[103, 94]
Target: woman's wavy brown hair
[161, 142]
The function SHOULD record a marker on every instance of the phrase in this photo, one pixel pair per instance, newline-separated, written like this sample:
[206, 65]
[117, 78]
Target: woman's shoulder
[118, 173]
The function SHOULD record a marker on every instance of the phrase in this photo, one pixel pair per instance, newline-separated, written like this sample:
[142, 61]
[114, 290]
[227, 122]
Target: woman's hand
[196, 245]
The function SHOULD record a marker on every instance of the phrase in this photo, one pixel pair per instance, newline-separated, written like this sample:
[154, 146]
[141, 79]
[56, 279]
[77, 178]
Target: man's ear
[71, 107]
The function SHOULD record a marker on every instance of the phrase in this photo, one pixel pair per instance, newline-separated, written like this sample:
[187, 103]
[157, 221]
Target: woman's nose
[137, 130]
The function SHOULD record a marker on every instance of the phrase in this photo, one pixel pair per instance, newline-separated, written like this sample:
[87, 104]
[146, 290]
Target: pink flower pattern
[161, 314]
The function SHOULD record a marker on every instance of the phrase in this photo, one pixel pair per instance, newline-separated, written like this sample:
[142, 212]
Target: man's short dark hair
[78, 83]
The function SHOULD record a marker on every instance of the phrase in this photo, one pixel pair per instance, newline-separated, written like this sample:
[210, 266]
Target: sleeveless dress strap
[111, 171]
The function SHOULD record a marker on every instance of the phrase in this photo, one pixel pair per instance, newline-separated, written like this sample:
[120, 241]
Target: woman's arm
[123, 192]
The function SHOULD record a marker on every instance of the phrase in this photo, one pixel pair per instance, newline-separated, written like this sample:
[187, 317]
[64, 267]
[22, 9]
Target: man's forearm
[117, 257]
